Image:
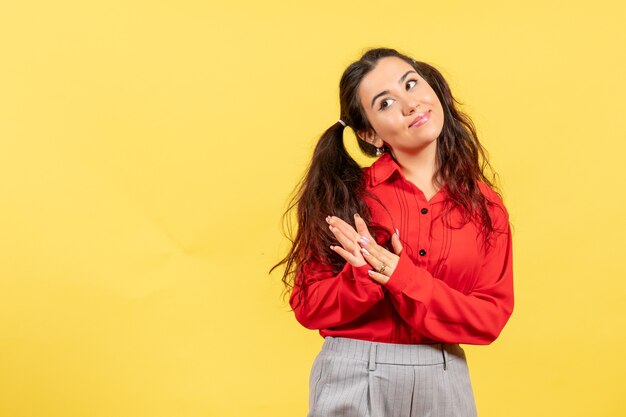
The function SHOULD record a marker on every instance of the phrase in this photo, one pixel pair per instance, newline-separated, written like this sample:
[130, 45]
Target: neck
[418, 166]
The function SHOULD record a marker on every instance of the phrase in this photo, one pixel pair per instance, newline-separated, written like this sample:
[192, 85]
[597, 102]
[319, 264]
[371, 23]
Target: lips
[420, 119]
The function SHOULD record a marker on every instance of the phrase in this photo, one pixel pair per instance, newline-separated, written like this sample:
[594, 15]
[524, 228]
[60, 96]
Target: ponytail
[332, 185]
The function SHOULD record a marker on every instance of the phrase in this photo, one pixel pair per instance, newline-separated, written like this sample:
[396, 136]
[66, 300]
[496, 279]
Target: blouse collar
[385, 166]
[382, 169]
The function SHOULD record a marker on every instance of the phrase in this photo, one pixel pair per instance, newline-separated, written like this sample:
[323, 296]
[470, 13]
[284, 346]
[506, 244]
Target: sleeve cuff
[408, 277]
[359, 273]
[360, 276]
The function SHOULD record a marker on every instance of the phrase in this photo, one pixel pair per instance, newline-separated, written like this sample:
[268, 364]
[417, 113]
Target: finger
[361, 226]
[372, 260]
[348, 244]
[367, 241]
[374, 249]
[352, 259]
[345, 228]
[376, 252]
[396, 244]
[380, 278]
[378, 263]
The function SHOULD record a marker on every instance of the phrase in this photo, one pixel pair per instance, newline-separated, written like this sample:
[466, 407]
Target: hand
[383, 261]
[347, 238]
[374, 254]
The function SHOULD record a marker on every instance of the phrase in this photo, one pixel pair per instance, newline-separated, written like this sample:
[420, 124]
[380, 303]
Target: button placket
[425, 225]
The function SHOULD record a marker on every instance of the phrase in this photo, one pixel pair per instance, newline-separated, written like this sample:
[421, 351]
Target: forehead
[384, 76]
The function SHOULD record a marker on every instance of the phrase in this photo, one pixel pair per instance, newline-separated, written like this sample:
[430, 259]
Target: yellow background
[148, 149]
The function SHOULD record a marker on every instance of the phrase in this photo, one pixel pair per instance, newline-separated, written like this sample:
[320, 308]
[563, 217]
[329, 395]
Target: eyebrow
[382, 93]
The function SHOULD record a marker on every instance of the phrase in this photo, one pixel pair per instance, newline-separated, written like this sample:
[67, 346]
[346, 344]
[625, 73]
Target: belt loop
[443, 353]
[372, 363]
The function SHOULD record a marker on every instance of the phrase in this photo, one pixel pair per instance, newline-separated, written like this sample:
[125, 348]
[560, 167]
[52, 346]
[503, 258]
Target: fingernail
[370, 272]
[357, 215]
[365, 251]
[398, 232]
[364, 240]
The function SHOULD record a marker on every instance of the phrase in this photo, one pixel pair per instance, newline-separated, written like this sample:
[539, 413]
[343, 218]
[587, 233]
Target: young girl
[398, 263]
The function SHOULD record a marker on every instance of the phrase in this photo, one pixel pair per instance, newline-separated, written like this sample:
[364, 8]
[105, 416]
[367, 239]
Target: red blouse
[447, 287]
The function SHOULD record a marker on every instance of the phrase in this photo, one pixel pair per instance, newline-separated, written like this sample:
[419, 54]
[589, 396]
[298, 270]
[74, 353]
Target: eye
[411, 81]
[382, 104]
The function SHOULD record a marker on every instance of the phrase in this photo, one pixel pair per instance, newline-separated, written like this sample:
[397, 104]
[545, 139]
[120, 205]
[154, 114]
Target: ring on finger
[382, 268]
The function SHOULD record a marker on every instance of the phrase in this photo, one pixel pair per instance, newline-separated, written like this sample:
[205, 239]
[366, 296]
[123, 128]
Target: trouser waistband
[392, 353]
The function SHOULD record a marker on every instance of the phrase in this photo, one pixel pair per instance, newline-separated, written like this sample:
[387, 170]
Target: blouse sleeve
[445, 314]
[333, 299]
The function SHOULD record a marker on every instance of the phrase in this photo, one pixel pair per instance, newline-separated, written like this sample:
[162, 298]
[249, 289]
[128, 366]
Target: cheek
[392, 121]
[381, 122]
[436, 104]
[429, 95]
[387, 123]
[386, 130]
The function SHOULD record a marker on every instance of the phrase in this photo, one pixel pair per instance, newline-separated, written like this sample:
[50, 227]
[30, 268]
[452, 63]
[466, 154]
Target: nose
[410, 105]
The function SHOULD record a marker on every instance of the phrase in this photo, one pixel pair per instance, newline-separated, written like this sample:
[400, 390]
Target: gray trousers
[357, 378]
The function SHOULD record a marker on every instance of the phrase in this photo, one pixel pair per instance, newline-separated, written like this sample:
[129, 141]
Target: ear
[370, 137]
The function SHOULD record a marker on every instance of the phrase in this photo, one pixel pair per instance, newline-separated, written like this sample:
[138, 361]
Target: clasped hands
[359, 248]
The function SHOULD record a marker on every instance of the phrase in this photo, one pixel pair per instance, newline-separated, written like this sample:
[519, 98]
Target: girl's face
[403, 110]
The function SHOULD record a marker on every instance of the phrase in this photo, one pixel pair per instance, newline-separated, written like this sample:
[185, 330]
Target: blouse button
[422, 252]
[424, 210]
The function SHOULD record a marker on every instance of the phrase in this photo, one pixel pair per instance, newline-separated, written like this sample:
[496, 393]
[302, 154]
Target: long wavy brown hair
[334, 183]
